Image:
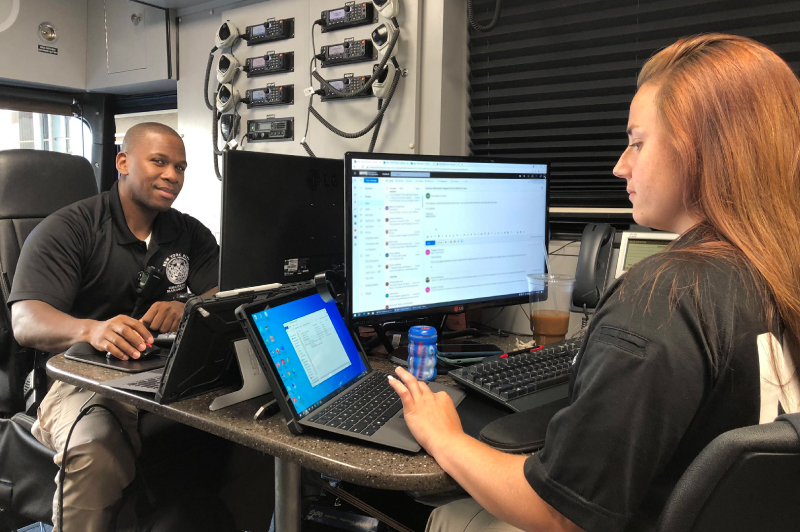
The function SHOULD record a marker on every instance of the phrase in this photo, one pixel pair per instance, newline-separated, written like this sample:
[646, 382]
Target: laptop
[202, 358]
[320, 376]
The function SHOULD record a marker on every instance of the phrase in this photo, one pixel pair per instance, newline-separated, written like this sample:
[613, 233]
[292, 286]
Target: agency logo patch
[177, 268]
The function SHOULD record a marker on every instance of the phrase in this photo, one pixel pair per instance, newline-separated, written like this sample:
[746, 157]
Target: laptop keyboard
[153, 383]
[364, 409]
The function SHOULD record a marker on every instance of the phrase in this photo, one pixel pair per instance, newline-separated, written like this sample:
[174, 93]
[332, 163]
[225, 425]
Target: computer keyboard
[524, 381]
[364, 409]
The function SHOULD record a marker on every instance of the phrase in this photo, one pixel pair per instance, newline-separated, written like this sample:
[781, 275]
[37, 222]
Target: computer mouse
[149, 351]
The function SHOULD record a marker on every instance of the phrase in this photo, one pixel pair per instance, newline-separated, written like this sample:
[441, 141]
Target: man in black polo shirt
[76, 282]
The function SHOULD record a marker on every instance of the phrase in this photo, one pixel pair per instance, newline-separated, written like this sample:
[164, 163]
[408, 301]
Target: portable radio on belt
[149, 281]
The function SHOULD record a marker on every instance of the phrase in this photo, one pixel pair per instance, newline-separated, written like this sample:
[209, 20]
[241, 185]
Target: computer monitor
[282, 218]
[635, 246]
[430, 235]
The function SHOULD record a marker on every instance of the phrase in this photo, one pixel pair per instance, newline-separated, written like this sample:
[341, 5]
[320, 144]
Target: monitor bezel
[440, 309]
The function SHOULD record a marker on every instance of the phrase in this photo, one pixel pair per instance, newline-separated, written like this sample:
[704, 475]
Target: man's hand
[431, 417]
[164, 316]
[122, 336]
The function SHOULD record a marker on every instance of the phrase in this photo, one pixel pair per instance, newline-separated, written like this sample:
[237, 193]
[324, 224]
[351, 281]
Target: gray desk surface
[352, 462]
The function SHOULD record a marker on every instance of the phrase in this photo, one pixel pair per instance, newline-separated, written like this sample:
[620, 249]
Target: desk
[352, 462]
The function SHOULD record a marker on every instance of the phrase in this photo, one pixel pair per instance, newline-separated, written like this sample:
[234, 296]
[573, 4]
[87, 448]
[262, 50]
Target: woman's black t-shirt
[676, 354]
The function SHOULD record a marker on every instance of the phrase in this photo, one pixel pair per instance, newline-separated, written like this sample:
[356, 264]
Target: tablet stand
[254, 383]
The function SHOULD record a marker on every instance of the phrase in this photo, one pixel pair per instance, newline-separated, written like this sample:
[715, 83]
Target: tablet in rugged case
[203, 357]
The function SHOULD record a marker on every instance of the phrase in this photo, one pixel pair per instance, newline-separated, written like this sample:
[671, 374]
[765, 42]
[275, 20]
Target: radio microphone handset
[148, 283]
[387, 8]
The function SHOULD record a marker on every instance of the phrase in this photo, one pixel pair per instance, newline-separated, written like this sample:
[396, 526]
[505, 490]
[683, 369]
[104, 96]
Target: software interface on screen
[429, 234]
[309, 346]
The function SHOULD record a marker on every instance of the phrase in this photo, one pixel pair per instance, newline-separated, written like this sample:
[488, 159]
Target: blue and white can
[422, 352]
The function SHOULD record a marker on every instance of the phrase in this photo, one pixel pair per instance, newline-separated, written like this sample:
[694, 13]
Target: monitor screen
[635, 246]
[428, 235]
[282, 218]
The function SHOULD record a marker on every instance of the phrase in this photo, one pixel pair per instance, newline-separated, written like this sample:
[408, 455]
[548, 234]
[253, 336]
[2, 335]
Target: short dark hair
[139, 131]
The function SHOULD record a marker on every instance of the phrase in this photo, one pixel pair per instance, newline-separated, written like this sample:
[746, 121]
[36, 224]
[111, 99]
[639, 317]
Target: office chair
[33, 185]
[747, 479]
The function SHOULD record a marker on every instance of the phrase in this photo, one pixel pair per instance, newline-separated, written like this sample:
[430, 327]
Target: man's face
[153, 168]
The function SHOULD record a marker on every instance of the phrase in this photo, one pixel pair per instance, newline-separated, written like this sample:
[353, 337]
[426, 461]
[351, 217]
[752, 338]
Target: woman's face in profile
[650, 167]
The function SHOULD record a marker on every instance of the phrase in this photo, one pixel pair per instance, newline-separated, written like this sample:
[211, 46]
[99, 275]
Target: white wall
[21, 59]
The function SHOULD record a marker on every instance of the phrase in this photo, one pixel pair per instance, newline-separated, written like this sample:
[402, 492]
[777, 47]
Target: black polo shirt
[84, 260]
[673, 357]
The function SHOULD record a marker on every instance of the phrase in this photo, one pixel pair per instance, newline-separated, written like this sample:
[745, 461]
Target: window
[36, 131]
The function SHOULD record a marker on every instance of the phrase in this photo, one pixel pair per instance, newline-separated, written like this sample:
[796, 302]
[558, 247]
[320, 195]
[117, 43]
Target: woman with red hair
[691, 342]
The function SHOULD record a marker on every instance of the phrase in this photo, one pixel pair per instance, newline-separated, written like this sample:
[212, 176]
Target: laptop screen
[311, 350]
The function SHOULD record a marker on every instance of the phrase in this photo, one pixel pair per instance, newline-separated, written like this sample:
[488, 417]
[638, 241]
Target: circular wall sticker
[9, 10]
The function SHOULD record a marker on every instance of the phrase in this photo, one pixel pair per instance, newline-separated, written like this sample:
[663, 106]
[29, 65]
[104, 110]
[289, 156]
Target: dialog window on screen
[317, 345]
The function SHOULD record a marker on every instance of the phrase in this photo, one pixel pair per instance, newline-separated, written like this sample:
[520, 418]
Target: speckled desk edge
[360, 464]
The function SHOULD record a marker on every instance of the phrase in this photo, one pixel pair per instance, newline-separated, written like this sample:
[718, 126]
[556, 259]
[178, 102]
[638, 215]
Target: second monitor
[282, 218]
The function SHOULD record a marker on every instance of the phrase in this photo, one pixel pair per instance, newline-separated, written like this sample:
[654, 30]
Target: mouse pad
[84, 352]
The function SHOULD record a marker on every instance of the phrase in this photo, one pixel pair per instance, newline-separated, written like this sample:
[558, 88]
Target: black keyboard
[524, 381]
[364, 409]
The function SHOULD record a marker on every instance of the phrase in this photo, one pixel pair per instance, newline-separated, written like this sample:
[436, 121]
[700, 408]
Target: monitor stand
[254, 383]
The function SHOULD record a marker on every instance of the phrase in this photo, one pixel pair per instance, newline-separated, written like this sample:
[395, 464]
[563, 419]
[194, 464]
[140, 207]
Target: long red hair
[732, 109]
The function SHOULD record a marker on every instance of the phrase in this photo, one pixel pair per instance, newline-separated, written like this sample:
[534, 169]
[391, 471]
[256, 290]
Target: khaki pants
[100, 464]
[465, 515]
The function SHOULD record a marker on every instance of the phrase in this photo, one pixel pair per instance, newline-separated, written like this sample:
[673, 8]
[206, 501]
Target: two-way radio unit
[348, 84]
[351, 15]
[270, 95]
[271, 30]
[270, 129]
[270, 63]
[350, 51]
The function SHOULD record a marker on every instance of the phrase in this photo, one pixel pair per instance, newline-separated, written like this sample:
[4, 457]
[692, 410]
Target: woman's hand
[431, 417]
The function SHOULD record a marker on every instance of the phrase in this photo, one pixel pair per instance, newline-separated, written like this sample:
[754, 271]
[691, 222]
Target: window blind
[553, 82]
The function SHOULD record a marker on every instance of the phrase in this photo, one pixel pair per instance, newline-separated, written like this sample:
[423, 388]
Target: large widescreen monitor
[430, 235]
[282, 218]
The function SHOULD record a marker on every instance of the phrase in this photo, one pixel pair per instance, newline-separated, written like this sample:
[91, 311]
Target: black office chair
[33, 185]
[747, 479]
